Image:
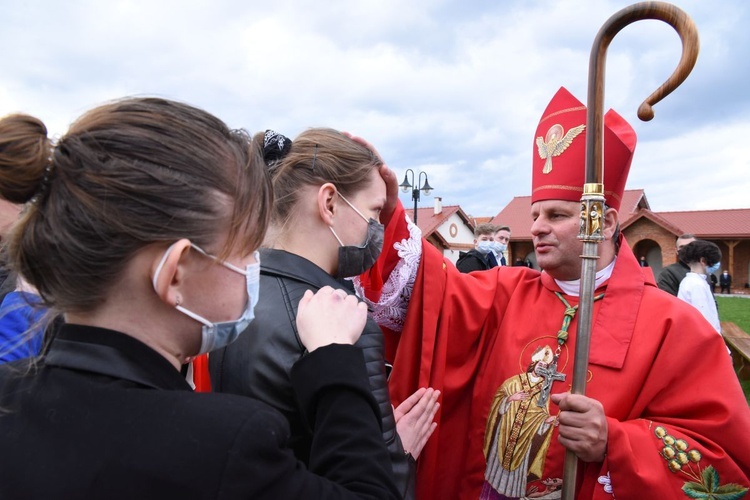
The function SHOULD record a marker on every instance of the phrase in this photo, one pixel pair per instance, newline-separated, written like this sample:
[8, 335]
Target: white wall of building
[455, 231]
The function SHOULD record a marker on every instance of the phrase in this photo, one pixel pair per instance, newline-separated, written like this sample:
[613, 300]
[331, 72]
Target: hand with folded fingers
[415, 420]
[330, 316]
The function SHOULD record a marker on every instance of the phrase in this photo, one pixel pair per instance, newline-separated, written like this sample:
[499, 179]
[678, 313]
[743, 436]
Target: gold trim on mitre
[559, 186]
[566, 110]
[607, 194]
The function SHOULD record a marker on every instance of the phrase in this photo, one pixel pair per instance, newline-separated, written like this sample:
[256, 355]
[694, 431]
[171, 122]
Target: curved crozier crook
[595, 171]
[661, 11]
[685, 27]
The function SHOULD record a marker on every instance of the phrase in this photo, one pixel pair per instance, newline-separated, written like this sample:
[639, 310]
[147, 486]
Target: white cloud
[450, 88]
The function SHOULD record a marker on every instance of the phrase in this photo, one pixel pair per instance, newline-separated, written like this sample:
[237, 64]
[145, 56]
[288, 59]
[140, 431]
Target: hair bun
[275, 146]
[25, 152]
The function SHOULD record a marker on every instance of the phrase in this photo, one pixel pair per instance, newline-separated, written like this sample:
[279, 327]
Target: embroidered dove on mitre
[556, 143]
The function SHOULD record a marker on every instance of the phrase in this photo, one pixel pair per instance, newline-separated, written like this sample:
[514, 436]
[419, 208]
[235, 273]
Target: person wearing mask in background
[725, 282]
[480, 258]
[502, 240]
[325, 228]
[142, 230]
[671, 276]
[703, 258]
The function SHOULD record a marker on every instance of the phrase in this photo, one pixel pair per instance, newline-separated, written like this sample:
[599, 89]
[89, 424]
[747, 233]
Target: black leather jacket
[259, 362]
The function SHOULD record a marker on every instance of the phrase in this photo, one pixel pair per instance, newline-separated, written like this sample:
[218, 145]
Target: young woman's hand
[414, 420]
[330, 317]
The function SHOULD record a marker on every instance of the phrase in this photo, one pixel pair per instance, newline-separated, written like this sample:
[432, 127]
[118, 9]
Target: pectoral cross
[549, 374]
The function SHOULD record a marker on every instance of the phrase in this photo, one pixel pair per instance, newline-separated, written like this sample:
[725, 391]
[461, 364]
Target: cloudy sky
[452, 88]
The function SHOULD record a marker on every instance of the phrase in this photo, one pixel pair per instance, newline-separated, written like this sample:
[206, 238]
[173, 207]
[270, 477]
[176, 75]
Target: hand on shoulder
[330, 317]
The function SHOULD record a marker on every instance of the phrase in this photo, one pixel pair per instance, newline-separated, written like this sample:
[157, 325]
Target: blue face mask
[218, 335]
[484, 247]
[713, 269]
[498, 247]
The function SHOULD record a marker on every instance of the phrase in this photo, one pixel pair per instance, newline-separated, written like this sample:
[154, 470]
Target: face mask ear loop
[353, 207]
[200, 319]
[336, 236]
[161, 264]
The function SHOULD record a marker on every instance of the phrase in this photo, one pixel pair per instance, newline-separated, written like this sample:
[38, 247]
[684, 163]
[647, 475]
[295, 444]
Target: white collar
[572, 287]
[704, 276]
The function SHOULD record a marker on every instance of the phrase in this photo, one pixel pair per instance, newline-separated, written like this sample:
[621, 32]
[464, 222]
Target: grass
[746, 389]
[736, 310]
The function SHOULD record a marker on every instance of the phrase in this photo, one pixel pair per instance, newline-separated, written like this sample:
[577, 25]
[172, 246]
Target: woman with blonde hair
[325, 228]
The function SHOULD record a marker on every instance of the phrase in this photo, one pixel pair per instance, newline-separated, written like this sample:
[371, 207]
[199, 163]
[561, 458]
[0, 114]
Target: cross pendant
[550, 375]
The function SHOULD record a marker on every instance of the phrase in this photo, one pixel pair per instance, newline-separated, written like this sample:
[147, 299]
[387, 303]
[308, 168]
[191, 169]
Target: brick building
[653, 234]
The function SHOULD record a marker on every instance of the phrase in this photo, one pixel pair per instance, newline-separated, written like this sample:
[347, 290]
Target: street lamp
[406, 186]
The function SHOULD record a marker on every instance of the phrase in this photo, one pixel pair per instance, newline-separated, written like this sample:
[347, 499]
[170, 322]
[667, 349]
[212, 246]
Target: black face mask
[354, 260]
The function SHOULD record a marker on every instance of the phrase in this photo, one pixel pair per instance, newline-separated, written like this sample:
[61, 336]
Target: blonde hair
[318, 156]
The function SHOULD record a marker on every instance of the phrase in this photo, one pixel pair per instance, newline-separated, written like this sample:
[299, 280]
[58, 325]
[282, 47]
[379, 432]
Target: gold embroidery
[510, 449]
[555, 143]
[704, 483]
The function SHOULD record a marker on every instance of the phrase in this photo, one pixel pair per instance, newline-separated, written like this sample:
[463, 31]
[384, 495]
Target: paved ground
[742, 295]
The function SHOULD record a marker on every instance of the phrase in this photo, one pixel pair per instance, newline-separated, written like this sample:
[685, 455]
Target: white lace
[390, 310]
[606, 482]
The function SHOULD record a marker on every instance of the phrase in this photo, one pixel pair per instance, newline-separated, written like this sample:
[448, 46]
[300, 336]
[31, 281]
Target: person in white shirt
[704, 258]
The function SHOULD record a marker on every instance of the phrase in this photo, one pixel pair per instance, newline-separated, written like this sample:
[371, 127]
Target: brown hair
[482, 229]
[24, 152]
[127, 174]
[317, 156]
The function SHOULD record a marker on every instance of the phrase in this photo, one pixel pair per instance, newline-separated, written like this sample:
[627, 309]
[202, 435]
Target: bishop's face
[554, 233]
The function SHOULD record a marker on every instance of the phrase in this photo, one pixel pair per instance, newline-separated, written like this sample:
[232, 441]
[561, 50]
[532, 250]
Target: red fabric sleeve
[441, 347]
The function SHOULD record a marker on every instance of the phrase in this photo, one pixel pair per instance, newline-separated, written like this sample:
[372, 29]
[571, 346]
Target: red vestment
[658, 368]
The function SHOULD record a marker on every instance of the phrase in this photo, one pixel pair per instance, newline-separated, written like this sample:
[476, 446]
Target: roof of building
[653, 217]
[632, 200]
[516, 216]
[428, 221]
[731, 223]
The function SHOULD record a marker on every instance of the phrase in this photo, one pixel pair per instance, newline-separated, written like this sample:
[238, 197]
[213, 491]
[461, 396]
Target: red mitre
[560, 152]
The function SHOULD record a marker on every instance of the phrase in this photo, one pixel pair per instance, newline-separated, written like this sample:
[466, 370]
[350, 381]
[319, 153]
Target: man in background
[502, 240]
[671, 276]
[481, 257]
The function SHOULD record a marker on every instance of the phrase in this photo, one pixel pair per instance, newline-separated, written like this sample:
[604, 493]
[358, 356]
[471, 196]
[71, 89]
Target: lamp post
[406, 186]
